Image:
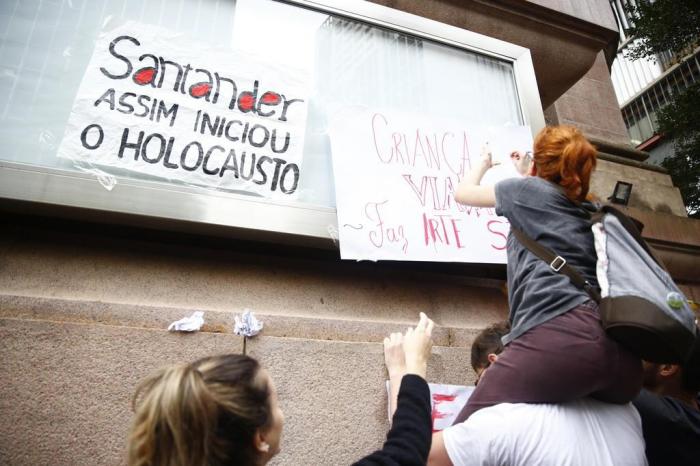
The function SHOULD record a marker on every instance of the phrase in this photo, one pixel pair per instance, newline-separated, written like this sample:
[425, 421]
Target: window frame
[146, 202]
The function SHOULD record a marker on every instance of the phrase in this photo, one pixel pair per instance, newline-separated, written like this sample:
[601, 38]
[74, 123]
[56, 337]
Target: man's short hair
[691, 368]
[487, 342]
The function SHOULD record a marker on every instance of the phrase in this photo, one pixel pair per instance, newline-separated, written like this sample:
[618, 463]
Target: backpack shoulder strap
[557, 263]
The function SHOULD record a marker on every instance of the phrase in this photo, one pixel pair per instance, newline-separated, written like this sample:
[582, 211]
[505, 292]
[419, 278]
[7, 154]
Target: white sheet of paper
[192, 323]
[157, 102]
[395, 177]
[446, 402]
[247, 324]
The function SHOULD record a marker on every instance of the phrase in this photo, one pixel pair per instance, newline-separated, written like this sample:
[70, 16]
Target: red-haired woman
[556, 350]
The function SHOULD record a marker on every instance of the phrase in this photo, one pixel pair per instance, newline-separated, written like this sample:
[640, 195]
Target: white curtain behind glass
[46, 46]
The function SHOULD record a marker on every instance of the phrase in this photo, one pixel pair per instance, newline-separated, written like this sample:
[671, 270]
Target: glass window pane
[47, 45]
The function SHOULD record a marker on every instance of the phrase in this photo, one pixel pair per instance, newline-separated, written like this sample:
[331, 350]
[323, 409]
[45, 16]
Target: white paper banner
[446, 402]
[395, 177]
[156, 102]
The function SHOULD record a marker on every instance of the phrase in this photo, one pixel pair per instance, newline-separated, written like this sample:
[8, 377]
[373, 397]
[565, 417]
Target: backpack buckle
[557, 263]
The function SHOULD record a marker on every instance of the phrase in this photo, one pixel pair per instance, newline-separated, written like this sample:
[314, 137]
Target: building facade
[645, 86]
[97, 260]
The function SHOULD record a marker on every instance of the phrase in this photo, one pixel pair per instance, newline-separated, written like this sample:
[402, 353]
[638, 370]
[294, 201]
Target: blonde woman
[223, 410]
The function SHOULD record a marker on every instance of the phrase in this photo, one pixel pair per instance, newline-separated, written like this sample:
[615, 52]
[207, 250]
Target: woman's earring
[265, 447]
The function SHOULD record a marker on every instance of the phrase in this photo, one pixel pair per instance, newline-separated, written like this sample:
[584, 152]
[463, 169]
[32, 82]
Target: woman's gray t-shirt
[535, 292]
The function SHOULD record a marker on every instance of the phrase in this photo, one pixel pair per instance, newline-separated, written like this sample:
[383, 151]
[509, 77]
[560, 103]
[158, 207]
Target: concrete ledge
[151, 317]
[619, 151]
[652, 189]
[75, 261]
[114, 314]
[664, 227]
[631, 162]
[627, 170]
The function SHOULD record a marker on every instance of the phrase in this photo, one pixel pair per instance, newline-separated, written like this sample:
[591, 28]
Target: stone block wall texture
[68, 384]
[595, 12]
[128, 271]
[83, 319]
[591, 105]
[333, 395]
[651, 190]
[65, 396]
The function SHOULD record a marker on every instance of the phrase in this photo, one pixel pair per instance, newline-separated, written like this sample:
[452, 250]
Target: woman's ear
[260, 444]
[492, 357]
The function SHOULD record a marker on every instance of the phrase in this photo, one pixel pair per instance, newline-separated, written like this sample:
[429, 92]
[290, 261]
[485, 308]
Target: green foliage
[664, 25]
[680, 120]
[674, 25]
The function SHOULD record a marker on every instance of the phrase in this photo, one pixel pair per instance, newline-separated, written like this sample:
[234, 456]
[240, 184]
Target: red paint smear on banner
[270, 98]
[144, 76]
[246, 102]
[438, 398]
[200, 90]
[437, 414]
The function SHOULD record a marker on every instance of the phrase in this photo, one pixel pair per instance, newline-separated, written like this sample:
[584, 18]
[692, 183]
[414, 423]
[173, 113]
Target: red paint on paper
[145, 76]
[270, 98]
[438, 398]
[435, 412]
[246, 102]
[200, 90]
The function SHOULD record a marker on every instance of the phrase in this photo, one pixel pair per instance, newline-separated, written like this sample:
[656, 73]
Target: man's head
[676, 380]
[487, 346]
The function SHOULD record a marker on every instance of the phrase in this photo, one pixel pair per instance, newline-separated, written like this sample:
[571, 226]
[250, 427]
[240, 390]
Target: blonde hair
[200, 414]
[564, 156]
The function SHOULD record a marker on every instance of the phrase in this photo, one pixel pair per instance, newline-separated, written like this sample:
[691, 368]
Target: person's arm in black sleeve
[408, 441]
[406, 357]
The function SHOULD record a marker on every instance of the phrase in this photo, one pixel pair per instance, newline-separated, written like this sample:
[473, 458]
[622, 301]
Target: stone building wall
[84, 306]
